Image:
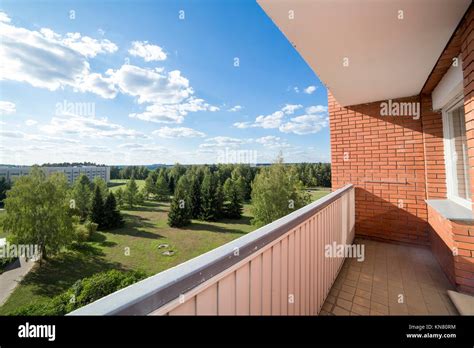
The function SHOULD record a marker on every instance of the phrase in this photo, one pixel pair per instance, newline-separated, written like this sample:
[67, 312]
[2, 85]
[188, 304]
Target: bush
[85, 231]
[82, 233]
[83, 292]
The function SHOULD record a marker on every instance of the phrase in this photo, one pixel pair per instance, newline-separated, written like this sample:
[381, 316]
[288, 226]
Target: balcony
[285, 268]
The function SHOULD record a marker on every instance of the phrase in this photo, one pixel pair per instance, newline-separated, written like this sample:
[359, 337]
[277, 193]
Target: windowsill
[450, 210]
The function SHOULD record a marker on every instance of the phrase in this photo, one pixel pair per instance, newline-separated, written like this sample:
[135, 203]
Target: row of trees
[128, 172]
[310, 174]
[202, 196]
[314, 174]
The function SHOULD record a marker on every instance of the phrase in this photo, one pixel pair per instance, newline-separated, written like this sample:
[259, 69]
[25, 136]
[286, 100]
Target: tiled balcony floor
[392, 280]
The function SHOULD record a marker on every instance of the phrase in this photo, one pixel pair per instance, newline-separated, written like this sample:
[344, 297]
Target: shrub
[83, 292]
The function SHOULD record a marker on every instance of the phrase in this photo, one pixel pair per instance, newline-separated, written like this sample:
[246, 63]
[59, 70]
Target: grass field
[135, 246]
[116, 183]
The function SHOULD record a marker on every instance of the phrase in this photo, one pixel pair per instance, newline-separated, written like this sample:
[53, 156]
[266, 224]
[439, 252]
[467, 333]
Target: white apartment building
[71, 173]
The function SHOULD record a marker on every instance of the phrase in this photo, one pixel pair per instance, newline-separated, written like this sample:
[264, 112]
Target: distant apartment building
[71, 173]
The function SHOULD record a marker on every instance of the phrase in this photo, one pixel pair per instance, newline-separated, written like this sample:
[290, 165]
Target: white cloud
[98, 84]
[222, 141]
[296, 89]
[7, 108]
[88, 127]
[11, 134]
[305, 124]
[85, 45]
[290, 109]
[46, 59]
[273, 120]
[173, 113]
[310, 89]
[178, 132]
[316, 109]
[169, 95]
[235, 108]
[152, 85]
[30, 123]
[243, 124]
[312, 122]
[147, 51]
[4, 17]
[144, 148]
[272, 141]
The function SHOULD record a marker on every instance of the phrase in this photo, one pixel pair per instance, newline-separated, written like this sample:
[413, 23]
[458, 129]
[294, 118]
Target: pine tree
[97, 208]
[98, 181]
[150, 187]
[162, 192]
[119, 194]
[208, 198]
[195, 198]
[220, 199]
[180, 210]
[233, 207]
[112, 216]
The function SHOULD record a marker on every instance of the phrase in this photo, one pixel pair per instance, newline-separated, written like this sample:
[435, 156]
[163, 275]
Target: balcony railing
[279, 269]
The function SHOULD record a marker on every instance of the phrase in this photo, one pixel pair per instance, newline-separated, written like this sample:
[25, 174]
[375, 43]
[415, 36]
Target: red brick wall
[452, 243]
[432, 123]
[383, 156]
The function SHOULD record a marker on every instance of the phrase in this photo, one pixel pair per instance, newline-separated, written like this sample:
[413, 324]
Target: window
[457, 163]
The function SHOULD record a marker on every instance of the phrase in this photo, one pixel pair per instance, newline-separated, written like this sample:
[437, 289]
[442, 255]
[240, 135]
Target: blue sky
[130, 82]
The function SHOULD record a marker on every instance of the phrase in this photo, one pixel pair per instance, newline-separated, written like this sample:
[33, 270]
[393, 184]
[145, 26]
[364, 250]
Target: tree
[233, 206]
[131, 193]
[220, 199]
[195, 197]
[162, 192]
[97, 208]
[276, 192]
[150, 187]
[180, 210]
[99, 182]
[112, 216]
[81, 194]
[208, 198]
[4, 187]
[37, 212]
[119, 195]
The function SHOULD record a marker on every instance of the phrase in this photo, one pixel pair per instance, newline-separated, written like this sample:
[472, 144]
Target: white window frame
[451, 175]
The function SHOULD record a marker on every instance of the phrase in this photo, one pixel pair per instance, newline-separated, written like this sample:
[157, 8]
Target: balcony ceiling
[388, 57]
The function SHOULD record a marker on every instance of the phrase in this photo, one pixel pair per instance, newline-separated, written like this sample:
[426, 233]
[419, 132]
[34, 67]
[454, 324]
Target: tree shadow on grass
[203, 226]
[148, 206]
[60, 272]
[101, 239]
[244, 220]
[134, 226]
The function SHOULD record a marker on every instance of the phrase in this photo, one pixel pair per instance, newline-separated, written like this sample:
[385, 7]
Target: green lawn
[319, 192]
[116, 183]
[135, 246]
